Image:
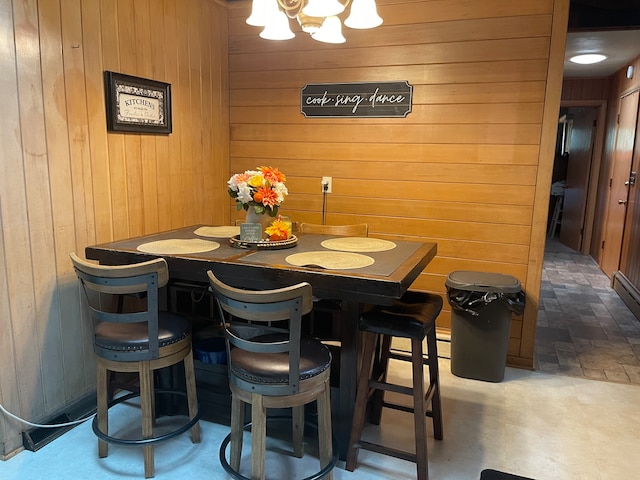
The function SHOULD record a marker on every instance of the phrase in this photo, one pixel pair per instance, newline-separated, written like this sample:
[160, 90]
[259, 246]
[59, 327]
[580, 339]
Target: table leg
[348, 375]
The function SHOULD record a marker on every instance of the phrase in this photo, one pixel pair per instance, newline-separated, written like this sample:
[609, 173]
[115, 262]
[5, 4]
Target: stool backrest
[264, 322]
[105, 288]
[355, 230]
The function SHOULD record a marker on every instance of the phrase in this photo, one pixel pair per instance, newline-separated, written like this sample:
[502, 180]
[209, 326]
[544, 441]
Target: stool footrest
[407, 357]
[374, 447]
[397, 406]
[403, 408]
[390, 387]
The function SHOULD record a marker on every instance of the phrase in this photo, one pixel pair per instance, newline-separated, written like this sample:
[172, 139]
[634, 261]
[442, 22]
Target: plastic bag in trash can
[474, 301]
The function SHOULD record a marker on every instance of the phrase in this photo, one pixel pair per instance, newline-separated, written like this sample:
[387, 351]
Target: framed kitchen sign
[367, 99]
[137, 104]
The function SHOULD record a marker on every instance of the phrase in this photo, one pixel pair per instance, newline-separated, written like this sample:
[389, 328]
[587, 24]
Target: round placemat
[358, 244]
[224, 231]
[178, 245]
[332, 260]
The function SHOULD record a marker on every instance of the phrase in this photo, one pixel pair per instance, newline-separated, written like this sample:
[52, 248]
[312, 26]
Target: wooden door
[618, 184]
[630, 258]
[578, 173]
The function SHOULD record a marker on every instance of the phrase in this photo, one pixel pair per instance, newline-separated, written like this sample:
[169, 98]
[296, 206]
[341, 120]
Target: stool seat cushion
[272, 368]
[412, 316]
[172, 328]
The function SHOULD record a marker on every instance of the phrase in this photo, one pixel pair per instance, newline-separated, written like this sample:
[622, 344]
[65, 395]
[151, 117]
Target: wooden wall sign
[368, 99]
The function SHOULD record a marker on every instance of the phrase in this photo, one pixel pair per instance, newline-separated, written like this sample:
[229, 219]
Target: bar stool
[271, 366]
[412, 317]
[140, 341]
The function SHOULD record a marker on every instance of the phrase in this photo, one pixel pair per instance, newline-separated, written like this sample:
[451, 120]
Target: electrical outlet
[326, 184]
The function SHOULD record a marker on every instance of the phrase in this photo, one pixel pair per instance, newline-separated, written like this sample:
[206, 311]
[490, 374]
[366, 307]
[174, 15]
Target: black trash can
[481, 308]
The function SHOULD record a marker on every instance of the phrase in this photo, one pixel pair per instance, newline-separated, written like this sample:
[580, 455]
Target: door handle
[622, 202]
[632, 179]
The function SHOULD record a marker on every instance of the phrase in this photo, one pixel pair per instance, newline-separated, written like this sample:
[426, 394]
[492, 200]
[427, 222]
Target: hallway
[584, 328]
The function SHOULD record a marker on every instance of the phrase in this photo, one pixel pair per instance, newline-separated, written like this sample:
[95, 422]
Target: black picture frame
[138, 105]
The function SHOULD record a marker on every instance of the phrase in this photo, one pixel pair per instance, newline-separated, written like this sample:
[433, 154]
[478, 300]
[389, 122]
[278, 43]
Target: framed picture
[137, 104]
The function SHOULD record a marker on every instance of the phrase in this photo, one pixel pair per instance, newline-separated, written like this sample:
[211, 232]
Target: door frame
[596, 160]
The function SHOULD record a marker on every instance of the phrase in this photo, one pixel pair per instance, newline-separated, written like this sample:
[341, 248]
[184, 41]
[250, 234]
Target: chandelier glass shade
[319, 18]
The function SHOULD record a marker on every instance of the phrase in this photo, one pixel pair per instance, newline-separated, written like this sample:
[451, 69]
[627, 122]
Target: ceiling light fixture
[319, 18]
[588, 58]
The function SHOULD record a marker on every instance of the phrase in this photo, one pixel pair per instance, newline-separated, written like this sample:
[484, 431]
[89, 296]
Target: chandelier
[319, 18]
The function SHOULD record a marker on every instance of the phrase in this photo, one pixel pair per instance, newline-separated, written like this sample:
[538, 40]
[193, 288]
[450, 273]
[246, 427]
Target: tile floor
[584, 328]
[556, 423]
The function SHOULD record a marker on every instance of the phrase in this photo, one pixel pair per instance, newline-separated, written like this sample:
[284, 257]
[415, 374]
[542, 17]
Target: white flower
[281, 190]
[244, 193]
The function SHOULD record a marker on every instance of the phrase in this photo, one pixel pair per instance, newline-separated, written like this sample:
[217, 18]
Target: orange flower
[267, 196]
[272, 174]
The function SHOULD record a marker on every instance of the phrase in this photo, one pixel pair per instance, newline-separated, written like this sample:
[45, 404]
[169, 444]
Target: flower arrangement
[263, 189]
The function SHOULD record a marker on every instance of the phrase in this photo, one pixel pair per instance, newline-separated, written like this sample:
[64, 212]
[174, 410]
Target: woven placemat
[224, 231]
[358, 244]
[173, 246]
[331, 260]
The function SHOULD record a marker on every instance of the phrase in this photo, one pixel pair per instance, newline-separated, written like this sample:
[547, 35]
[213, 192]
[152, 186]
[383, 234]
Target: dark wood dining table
[391, 274]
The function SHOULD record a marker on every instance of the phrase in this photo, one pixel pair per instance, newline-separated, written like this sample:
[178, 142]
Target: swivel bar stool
[271, 366]
[140, 341]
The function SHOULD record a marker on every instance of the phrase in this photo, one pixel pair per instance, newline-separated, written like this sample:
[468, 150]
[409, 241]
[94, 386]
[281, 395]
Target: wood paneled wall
[468, 168]
[580, 89]
[66, 183]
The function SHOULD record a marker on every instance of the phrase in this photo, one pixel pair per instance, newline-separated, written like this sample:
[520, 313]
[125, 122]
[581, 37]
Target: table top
[387, 278]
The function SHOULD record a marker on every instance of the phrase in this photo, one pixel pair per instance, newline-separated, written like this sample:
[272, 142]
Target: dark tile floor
[584, 328]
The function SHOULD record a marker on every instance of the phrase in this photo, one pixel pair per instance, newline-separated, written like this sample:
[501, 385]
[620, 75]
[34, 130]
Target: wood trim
[543, 181]
[628, 292]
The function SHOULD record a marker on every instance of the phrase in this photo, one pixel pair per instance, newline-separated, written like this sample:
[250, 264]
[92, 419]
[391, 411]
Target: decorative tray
[264, 244]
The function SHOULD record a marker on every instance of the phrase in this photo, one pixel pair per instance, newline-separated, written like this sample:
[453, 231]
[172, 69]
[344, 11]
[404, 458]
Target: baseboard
[629, 294]
[36, 438]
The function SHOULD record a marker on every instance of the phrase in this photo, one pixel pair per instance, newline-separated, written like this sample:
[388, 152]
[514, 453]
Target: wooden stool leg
[434, 380]
[192, 396]
[362, 395]
[102, 392]
[379, 373]
[146, 400]
[258, 436]
[237, 424]
[419, 410]
[297, 419]
[324, 428]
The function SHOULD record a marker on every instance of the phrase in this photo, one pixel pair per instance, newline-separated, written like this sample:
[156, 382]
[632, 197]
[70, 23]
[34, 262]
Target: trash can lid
[483, 282]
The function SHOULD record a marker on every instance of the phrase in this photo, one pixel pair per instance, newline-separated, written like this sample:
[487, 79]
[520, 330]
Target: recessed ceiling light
[588, 58]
